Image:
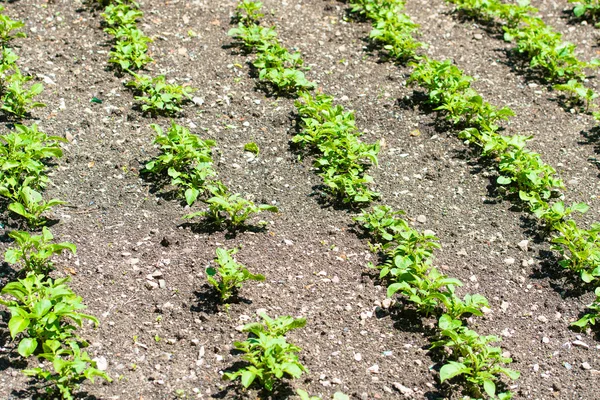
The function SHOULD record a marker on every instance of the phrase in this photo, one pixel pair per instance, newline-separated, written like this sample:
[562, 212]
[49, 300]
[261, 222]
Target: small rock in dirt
[198, 101]
[567, 365]
[151, 285]
[101, 363]
[523, 245]
[509, 261]
[387, 303]
[407, 392]
[335, 279]
[580, 344]
[542, 319]
[326, 383]
[586, 366]
[545, 340]
[162, 284]
[462, 252]
[157, 274]
[374, 369]
[133, 261]
[422, 219]
[288, 242]
[358, 357]
[478, 36]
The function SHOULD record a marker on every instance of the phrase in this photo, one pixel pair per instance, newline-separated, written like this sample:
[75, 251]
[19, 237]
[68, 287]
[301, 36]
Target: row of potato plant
[545, 48]
[185, 158]
[44, 311]
[327, 131]
[469, 354]
[521, 171]
[408, 269]
[130, 54]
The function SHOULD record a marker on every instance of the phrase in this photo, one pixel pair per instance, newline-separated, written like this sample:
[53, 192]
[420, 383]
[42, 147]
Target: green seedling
[30, 205]
[577, 94]
[43, 309]
[230, 210]
[252, 148]
[392, 29]
[70, 366]
[33, 252]
[277, 66]
[121, 15]
[382, 223]
[274, 327]
[580, 249]
[185, 158]
[538, 42]
[592, 315]
[130, 52]
[269, 355]
[551, 215]
[7, 28]
[18, 100]
[231, 275]
[22, 155]
[587, 8]
[248, 12]
[473, 359]
[253, 36]
[343, 158]
[158, 97]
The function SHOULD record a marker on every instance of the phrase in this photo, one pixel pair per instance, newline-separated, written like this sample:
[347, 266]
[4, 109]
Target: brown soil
[176, 338]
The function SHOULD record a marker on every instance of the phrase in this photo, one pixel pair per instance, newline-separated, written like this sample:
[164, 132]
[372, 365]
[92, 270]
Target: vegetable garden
[309, 199]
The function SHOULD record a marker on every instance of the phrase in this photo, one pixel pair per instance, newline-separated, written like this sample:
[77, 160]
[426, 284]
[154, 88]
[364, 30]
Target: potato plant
[8, 28]
[475, 361]
[30, 205]
[23, 153]
[230, 211]
[44, 309]
[159, 97]
[392, 29]
[130, 52]
[587, 9]
[229, 276]
[341, 158]
[593, 314]
[269, 356]
[33, 252]
[185, 158]
[17, 98]
[67, 366]
[276, 65]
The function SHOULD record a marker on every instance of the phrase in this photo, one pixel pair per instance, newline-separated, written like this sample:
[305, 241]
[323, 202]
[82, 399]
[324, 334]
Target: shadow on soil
[207, 300]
